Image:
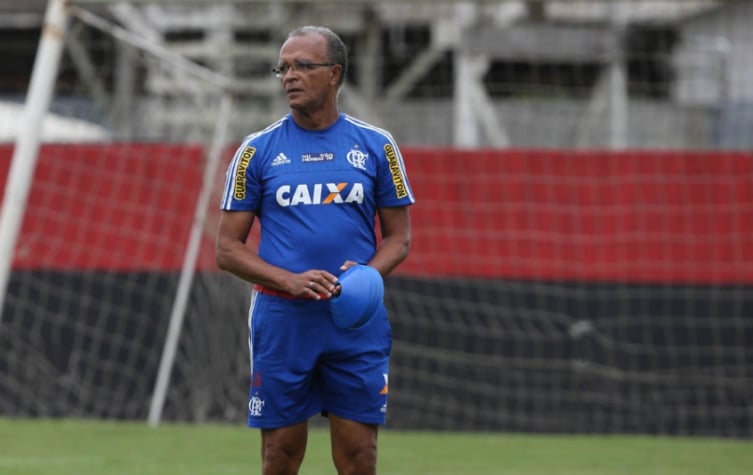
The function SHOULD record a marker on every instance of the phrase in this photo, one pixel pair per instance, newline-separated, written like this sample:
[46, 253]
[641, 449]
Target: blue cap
[360, 298]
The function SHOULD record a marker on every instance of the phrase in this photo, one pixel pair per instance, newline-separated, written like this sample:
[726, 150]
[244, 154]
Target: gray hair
[337, 52]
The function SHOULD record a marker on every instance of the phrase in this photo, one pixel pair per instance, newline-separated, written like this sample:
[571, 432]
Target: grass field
[70, 447]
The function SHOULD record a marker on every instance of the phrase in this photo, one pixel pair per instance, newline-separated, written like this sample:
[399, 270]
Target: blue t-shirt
[316, 193]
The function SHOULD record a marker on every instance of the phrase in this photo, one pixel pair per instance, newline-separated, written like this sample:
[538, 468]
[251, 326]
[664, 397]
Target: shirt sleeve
[242, 191]
[392, 179]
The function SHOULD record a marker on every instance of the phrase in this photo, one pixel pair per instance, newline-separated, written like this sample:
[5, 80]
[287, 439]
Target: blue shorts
[302, 364]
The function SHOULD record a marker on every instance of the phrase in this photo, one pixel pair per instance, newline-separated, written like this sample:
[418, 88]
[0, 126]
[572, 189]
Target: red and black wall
[554, 291]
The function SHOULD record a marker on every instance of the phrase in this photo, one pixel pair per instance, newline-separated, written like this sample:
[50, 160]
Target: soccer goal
[112, 215]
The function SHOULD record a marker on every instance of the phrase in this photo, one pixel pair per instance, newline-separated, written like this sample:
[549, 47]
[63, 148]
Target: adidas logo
[280, 159]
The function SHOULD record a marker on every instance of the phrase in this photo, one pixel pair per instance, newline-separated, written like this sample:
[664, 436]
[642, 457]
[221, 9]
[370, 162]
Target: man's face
[307, 79]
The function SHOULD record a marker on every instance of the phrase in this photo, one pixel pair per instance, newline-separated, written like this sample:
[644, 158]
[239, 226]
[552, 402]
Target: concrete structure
[467, 40]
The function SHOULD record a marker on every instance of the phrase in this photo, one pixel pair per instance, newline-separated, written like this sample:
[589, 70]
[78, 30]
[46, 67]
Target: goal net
[582, 256]
[109, 297]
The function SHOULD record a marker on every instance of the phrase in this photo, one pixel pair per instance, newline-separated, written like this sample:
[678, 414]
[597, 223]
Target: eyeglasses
[300, 66]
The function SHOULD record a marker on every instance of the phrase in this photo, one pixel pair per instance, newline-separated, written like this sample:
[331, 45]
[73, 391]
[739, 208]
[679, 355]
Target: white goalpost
[177, 315]
[27, 143]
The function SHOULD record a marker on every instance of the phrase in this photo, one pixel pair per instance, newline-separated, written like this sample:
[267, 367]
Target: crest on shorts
[255, 405]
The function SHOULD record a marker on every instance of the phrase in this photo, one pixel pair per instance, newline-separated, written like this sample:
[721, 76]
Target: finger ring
[311, 283]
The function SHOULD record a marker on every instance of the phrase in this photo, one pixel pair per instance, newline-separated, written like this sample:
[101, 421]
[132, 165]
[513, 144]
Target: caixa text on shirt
[319, 194]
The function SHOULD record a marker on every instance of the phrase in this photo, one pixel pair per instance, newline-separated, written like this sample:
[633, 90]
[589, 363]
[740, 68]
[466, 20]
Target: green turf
[70, 447]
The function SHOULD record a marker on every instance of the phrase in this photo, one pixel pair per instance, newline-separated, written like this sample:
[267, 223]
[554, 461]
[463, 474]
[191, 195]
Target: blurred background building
[668, 74]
